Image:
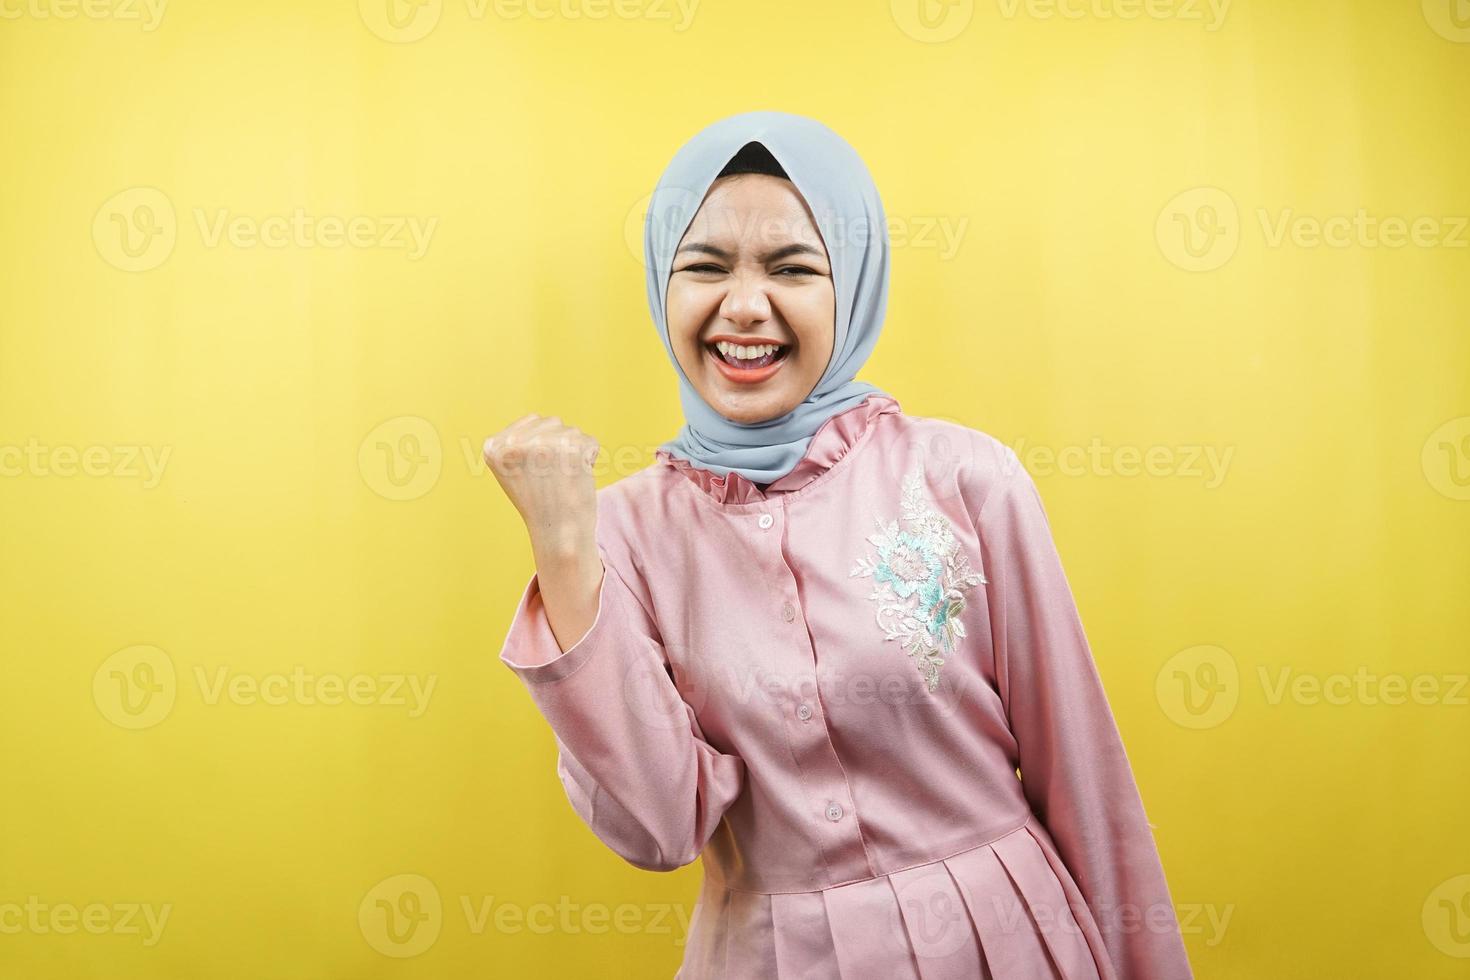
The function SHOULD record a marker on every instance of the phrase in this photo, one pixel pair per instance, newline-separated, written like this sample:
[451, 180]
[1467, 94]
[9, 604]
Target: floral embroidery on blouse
[920, 578]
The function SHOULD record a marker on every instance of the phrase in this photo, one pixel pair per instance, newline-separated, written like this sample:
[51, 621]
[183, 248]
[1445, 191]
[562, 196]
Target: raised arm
[631, 757]
[1074, 770]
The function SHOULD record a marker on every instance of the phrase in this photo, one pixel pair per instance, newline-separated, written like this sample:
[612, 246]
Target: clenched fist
[545, 468]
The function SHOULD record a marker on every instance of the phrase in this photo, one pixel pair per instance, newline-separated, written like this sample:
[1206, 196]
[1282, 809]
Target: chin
[754, 408]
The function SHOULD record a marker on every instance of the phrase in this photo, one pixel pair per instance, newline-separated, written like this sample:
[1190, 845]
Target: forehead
[753, 209]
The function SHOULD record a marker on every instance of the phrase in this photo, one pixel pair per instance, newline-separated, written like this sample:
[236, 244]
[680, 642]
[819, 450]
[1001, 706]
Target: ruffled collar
[829, 444]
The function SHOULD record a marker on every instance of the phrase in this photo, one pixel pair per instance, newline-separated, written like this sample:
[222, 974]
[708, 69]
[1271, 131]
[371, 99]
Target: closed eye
[786, 271]
[800, 271]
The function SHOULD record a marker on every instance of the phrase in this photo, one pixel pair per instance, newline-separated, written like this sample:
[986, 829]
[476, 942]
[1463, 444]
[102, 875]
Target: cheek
[685, 310]
[812, 316]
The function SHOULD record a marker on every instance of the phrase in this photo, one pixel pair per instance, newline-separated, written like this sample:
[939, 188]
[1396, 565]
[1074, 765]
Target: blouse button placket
[822, 771]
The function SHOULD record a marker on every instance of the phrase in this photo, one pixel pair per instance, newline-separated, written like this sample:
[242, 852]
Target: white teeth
[746, 353]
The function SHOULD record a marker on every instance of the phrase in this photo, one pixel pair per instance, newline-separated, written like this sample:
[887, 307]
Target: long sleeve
[630, 754]
[1074, 771]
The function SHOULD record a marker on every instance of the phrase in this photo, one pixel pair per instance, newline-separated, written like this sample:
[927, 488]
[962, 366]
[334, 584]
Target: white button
[834, 812]
[804, 712]
[766, 520]
[788, 611]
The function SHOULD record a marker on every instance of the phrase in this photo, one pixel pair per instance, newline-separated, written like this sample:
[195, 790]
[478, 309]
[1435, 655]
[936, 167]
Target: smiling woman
[750, 301]
[748, 552]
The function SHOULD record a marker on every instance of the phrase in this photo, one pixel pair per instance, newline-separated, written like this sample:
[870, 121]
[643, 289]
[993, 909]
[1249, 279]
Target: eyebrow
[777, 253]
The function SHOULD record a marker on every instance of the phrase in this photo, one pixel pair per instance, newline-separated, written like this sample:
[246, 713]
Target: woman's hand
[545, 468]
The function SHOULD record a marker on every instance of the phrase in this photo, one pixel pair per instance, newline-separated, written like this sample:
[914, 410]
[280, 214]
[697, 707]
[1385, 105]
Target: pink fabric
[738, 700]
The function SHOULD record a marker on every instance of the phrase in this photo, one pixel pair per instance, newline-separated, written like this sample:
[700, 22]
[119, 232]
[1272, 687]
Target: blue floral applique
[920, 577]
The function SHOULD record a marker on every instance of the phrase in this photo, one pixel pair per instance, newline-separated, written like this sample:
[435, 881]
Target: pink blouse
[864, 698]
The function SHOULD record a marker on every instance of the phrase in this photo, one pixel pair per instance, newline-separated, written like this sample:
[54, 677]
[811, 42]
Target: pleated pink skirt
[1003, 910]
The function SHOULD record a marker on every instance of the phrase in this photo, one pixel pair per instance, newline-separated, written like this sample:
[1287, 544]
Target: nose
[746, 303]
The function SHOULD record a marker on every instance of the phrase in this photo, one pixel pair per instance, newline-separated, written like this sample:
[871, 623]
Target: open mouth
[748, 358]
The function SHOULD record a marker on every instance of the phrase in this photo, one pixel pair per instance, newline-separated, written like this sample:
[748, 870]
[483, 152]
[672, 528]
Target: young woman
[825, 646]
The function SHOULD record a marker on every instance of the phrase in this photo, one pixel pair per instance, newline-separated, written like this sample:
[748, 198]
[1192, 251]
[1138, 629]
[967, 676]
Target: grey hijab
[843, 199]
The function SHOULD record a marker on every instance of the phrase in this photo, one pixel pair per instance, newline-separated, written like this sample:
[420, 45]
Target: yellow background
[1329, 837]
